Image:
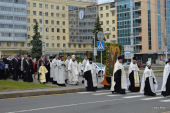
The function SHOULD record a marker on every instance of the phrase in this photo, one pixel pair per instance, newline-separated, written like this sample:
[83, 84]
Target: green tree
[36, 43]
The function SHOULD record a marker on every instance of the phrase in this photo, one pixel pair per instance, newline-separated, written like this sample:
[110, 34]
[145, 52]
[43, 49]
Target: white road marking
[101, 93]
[84, 92]
[61, 106]
[165, 100]
[153, 98]
[112, 95]
[133, 96]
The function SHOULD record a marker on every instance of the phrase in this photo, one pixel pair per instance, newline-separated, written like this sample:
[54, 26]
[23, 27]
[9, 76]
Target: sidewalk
[46, 91]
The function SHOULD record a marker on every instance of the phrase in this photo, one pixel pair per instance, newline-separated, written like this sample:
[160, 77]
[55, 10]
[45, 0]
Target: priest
[166, 80]
[68, 76]
[51, 69]
[73, 68]
[91, 76]
[62, 69]
[149, 83]
[133, 75]
[119, 82]
[55, 66]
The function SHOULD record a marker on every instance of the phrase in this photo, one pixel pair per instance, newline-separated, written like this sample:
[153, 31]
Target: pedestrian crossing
[129, 95]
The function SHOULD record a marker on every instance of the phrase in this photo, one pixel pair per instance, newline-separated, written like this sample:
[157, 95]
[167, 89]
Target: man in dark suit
[6, 66]
[15, 67]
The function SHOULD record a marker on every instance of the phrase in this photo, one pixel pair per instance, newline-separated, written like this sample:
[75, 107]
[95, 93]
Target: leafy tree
[36, 43]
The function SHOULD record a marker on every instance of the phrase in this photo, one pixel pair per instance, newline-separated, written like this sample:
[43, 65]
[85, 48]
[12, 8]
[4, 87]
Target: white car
[100, 68]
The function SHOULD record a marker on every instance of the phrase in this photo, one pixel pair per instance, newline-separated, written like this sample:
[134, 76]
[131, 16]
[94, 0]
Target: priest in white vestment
[119, 81]
[62, 71]
[68, 76]
[55, 66]
[85, 61]
[149, 83]
[166, 80]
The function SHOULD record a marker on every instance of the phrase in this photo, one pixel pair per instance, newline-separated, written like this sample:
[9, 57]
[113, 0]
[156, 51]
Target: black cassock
[48, 74]
[167, 92]
[88, 77]
[117, 79]
[147, 88]
[132, 87]
[28, 71]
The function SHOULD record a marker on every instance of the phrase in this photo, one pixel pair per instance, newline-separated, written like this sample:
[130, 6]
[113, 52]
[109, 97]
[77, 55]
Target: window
[107, 29]
[46, 6]
[107, 7]
[28, 28]
[57, 14]
[28, 11]
[63, 15]
[34, 4]
[64, 38]
[63, 22]
[63, 8]
[46, 13]
[101, 8]
[34, 12]
[47, 44]
[41, 29]
[101, 15]
[107, 36]
[47, 37]
[107, 14]
[47, 29]
[101, 22]
[15, 44]
[113, 28]
[107, 22]
[64, 30]
[69, 45]
[64, 45]
[52, 38]
[58, 22]
[28, 36]
[57, 7]
[28, 4]
[74, 45]
[8, 44]
[79, 45]
[46, 21]
[113, 21]
[52, 21]
[52, 14]
[34, 20]
[40, 5]
[58, 45]
[113, 36]
[84, 45]
[40, 21]
[58, 30]
[52, 29]
[113, 13]
[28, 45]
[58, 37]
[52, 44]
[52, 6]
[40, 13]
[22, 44]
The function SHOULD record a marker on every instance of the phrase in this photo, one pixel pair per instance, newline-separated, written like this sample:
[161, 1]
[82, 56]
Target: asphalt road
[101, 101]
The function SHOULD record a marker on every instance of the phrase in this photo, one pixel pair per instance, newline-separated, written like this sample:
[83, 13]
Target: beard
[73, 60]
[90, 62]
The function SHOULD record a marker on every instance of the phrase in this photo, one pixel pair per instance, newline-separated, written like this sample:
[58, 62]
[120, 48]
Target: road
[101, 101]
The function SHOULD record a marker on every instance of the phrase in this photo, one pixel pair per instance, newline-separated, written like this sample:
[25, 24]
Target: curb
[39, 93]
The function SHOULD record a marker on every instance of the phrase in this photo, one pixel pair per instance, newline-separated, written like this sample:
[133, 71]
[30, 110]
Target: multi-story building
[148, 26]
[107, 14]
[13, 26]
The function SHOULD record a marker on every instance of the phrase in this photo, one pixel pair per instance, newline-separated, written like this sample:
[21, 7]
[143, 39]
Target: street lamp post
[132, 38]
[94, 50]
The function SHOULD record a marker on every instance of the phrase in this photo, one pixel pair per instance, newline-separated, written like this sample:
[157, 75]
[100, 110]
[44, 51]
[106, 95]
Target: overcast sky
[104, 1]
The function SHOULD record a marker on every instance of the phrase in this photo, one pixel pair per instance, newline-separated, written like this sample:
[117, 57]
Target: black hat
[134, 58]
[28, 55]
[90, 59]
[120, 57]
[168, 60]
[51, 57]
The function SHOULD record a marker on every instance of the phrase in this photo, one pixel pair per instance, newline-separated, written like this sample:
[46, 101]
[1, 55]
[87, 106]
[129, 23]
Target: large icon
[81, 14]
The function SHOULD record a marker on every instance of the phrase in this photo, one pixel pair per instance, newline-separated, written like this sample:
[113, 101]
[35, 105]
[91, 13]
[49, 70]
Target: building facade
[148, 27]
[13, 26]
[108, 18]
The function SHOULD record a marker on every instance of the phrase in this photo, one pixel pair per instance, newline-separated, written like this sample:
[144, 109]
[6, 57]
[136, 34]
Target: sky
[104, 1]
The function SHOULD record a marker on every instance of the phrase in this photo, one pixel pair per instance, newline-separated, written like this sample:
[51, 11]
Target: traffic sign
[100, 45]
[128, 48]
[127, 55]
[100, 36]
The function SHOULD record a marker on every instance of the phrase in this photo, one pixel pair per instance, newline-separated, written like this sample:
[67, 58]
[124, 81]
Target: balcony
[112, 9]
[139, 51]
[138, 8]
[107, 32]
[113, 39]
[139, 43]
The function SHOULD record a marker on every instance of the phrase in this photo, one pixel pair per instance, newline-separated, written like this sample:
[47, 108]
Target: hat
[120, 57]
[168, 60]
[73, 56]
[134, 58]
[51, 57]
[28, 55]
[148, 63]
[90, 59]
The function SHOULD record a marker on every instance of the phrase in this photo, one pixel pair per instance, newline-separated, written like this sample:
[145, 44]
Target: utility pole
[166, 41]
[131, 37]
[43, 43]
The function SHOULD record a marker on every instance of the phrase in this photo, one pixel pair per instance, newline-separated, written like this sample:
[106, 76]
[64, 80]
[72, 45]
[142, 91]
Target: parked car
[100, 68]
[126, 64]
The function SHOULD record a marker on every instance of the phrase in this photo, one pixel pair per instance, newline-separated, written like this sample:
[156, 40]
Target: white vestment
[135, 69]
[93, 73]
[83, 68]
[73, 68]
[119, 66]
[61, 75]
[55, 65]
[165, 76]
[67, 72]
[51, 70]
[149, 73]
